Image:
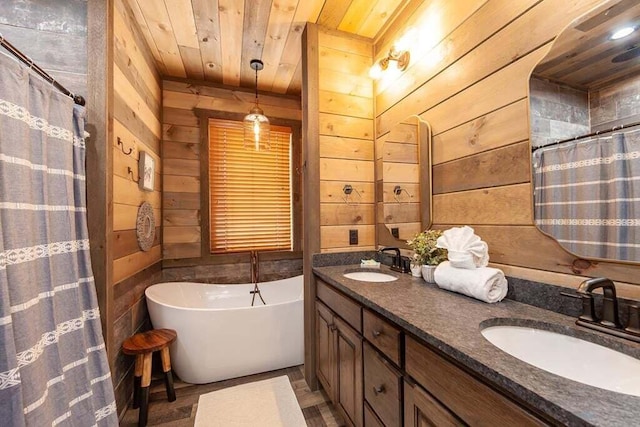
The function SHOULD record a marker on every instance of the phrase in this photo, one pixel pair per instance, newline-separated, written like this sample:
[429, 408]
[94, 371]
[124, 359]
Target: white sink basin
[569, 357]
[370, 276]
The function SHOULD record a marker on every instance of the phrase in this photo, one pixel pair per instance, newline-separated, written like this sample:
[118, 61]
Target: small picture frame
[147, 171]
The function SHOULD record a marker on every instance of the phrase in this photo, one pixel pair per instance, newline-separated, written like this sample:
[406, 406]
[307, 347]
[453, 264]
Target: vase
[416, 270]
[428, 273]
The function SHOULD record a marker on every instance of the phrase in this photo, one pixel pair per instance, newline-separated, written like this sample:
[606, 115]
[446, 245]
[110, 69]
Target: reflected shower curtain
[587, 195]
[53, 363]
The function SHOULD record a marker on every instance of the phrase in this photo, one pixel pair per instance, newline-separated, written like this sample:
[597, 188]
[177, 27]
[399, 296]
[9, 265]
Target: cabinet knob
[379, 389]
[376, 334]
[332, 327]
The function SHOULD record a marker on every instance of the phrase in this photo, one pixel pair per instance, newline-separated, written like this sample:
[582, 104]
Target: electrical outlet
[395, 232]
[353, 237]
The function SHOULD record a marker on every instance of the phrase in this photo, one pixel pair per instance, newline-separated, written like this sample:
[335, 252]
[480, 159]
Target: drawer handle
[376, 334]
[378, 390]
[332, 327]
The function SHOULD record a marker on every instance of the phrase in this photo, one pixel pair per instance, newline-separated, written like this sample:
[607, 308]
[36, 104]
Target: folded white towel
[485, 283]
[465, 248]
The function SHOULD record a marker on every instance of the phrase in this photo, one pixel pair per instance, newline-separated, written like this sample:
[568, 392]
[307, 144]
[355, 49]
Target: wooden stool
[142, 346]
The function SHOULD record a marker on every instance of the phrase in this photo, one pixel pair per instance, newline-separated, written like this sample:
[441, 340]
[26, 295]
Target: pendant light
[256, 124]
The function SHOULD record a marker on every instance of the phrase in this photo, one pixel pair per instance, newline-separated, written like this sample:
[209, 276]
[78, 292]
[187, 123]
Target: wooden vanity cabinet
[348, 387]
[388, 378]
[422, 410]
[370, 417]
[382, 387]
[339, 352]
[325, 365]
[472, 401]
[384, 336]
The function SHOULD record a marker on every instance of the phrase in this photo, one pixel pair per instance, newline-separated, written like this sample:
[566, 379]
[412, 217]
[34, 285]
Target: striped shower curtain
[53, 363]
[587, 195]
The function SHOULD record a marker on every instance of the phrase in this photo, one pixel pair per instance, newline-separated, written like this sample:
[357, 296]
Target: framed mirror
[585, 135]
[403, 182]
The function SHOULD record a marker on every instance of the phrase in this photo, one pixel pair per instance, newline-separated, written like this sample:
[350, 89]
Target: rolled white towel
[475, 257]
[465, 249]
[484, 283]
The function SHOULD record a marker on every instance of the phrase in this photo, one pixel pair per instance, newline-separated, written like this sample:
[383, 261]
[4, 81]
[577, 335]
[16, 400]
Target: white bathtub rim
[257, 302]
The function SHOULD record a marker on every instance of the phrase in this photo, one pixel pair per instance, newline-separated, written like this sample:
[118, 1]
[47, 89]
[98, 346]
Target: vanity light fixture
[399, 54]
[256, 124]
[622, 33]
[400, 57]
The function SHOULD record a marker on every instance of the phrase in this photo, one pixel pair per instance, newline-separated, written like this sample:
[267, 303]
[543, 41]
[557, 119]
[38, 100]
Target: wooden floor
[317, 409]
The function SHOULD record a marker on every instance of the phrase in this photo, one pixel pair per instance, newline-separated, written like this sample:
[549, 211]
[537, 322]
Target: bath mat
[268, 403]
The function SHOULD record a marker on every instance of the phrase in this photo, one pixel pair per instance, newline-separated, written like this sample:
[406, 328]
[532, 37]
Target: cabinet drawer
[471, 400]
[342, 305]
[382, 384]
[382, 334]
[421, 409]
[370, 418]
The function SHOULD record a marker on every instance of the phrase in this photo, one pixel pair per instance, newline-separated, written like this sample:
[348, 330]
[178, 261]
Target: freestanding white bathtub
[221, 336]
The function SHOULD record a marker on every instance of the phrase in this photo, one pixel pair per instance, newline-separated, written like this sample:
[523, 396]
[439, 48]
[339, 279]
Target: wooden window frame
[208, 258]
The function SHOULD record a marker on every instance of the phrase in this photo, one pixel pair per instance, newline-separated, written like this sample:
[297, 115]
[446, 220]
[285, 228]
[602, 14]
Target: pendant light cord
[256, 86]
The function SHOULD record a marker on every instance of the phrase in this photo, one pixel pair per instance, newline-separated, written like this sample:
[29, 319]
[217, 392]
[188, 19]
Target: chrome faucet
[400, 263]
[610, 321]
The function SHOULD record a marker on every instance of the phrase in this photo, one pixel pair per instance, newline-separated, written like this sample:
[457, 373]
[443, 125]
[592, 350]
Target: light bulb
[622, 32]
[376, 71]
[256, 133]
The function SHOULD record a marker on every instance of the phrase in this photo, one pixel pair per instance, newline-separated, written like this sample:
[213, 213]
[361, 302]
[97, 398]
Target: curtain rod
[24, 58]
[613, 129]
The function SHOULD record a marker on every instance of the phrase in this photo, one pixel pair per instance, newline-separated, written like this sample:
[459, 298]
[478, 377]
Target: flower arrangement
[424, 248]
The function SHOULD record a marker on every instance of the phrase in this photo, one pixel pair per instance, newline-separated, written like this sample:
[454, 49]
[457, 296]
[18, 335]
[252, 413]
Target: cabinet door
[422, 410]
[348, 388]
[382, 387]
[473, 401]
[325, 336]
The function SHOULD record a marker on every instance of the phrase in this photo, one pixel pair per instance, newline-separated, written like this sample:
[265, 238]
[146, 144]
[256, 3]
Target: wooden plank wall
[136, 122]
[345, 96]
[181, 153]
[472, 87]
[53, 34]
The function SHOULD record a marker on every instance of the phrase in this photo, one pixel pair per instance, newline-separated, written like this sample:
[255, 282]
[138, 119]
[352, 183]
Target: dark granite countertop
[452, 323]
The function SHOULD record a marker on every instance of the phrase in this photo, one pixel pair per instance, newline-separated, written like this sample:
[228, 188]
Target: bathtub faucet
[255, 273]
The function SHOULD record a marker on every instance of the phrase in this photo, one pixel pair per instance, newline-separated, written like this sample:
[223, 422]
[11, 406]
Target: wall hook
[121, 145]
[347, 190]
[397, 190]
[130, 172]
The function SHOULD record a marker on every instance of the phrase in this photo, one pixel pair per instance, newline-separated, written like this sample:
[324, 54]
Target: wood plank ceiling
[214, 40]
[583, 57]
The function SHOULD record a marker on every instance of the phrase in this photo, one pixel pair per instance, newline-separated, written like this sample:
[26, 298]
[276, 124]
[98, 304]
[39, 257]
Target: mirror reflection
[585, 135]
[403, 165]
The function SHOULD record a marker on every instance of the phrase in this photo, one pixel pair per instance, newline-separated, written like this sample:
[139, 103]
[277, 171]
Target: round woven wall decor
[145, 226]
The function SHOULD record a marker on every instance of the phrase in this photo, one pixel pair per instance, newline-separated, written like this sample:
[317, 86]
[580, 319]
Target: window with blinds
[249, 191]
